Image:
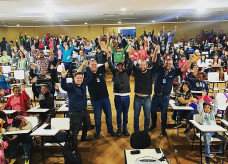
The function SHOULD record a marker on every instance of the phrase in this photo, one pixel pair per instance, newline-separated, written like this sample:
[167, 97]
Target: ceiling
[110, 12]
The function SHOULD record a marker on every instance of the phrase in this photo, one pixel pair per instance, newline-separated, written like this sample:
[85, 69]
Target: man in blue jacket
[78, 102]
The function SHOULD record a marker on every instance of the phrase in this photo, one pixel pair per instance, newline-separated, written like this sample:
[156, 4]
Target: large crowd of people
[182, 67]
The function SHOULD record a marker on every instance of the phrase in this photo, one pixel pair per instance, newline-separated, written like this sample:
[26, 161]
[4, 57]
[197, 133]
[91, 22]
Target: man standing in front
[99, 97]
[162, 90]
[78, 102]
[143, 89]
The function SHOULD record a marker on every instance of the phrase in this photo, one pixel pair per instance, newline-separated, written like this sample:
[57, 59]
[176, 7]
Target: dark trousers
[76, 120]
[69, 66]
[161, 102]
[25, 139]
[122, 105]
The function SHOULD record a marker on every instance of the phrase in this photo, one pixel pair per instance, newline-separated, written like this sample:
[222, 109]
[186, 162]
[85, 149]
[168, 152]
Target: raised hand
[85, 63]
[48, 76]
[22, 88]
[64, 72]
[34, 80]
[56, 87]
[204, 93]
[214, 94]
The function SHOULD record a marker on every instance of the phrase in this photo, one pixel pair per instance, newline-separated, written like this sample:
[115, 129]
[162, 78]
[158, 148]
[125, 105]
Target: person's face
[98, 50]
[15, 49]
[81, 53]
[4, 53]
[195, 68]
[207, 108]
[78, 79]
[58, 46]
[141, 47]
[203, 57]
[17, 92]
[168, 64]
[43, 71]
[41, 54]
[185, 88]
[21, 48]
[120, 67]
[200, 77]
[21, 54]
[183, 58]
[120, 49]
[66, 48]
[93, 66]
[44, 89]
[143, 66]
[169, 33]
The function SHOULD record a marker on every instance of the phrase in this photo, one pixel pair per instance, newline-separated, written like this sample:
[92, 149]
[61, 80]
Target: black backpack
[71, 154]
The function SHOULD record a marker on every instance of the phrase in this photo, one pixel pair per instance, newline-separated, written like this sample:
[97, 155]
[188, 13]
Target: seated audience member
[20, 101]
[203, 63]
[119, 52]
[194, 72]
[5, 59]
[185, 98]
[196, 56]
[46, 100]
[216, 63]
[4, 84]
[41, 60]
[182, 62]
[20, 123]
[142, 54]
[207, 113]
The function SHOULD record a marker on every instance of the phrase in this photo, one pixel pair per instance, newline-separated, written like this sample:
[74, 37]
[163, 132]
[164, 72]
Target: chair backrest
[6, 69]
[196, 117]
[205, 53]
[213, 76]
[60, 123]
[33, 120]
[19, 74]
[140, 140]
[222, 105]
[29, 91]
[225, 76]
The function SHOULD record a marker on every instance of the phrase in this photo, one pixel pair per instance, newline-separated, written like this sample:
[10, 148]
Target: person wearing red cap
[121, 89]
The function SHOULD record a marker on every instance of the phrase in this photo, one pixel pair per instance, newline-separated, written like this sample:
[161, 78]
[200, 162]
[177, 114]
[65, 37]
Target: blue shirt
[3, 83]
[77, 95]
[164, 80]
[67, 54]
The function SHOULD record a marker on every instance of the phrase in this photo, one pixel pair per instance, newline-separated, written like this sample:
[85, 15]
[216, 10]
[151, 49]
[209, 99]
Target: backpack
[71, 154]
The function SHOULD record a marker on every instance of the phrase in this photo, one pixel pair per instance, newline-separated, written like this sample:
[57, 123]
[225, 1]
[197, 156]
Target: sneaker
[211, 156]
[97, 135]
[26, 161]
[118, 133]
[187, 130]
[12, 161]
[178, 125]
[164, 134]
[125, 132]
[112, 133]
[152, 127]
[207, 160]
[86, 139]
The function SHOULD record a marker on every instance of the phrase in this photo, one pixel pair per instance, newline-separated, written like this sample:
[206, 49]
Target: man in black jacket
[101, 56]
[121, 89]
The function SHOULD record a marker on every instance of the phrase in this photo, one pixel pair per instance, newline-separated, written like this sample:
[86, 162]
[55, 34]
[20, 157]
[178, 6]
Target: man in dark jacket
[3, 44]
[121, 89]
[101, 56]
[78, 102]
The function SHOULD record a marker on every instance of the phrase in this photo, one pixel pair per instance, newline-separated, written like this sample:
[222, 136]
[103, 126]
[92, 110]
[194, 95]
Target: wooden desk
[205, 129]
[144, 155]
[17, 132]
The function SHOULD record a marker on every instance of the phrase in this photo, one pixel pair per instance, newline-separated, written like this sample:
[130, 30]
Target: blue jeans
[187, 114]
[25, 139]
[68, 66]
[161, 102]
[106, 106]
[122, 105]
[138, 103]
[207, 140]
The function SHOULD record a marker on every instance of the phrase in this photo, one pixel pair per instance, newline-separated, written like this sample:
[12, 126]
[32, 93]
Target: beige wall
[184, 30]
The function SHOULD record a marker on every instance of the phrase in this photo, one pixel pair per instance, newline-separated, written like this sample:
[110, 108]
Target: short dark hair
[16, 86]
[78, 73]
[16, 122]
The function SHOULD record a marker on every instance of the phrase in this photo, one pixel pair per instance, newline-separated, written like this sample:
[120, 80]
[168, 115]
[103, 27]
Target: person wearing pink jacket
[142, 54]
[182, 62]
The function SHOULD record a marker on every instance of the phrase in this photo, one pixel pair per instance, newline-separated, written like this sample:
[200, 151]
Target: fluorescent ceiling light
[29, 16]
[119, 22]
[123, 9]
[18, 25]
[85, 23]
[153, 21]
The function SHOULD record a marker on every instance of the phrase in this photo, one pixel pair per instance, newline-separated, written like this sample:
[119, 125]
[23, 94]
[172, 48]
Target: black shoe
[207, 160]
[178, 125]
[152, 127]
[86, 139]
[187, 130]
[118, 133]
[125, 132]
[97, 135]
[173, 117]
[113, 133]
[163, 133]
